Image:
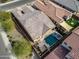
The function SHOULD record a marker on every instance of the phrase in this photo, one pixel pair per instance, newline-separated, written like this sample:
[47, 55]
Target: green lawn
[73, 22]
[6, 21]
[21, 46]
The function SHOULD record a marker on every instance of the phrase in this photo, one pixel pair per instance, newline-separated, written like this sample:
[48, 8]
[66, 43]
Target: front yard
[21, 46]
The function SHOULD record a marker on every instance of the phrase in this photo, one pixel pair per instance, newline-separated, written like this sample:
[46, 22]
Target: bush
[6, 21]
[21, 48]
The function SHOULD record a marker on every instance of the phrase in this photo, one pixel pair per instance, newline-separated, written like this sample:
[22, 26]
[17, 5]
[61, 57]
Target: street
[8, 6]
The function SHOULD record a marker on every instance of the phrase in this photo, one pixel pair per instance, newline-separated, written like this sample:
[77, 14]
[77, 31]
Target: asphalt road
[12, 5]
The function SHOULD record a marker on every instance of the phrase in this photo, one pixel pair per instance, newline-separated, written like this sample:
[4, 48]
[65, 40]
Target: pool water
[53, 38]
[57, 35]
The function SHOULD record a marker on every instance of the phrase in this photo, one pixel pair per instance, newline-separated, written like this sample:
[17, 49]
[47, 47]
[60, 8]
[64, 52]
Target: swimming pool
[52, 38]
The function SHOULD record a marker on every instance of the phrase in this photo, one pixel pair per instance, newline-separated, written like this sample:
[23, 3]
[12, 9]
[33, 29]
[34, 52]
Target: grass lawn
[21, 46]
[6, 21]
[73, 22]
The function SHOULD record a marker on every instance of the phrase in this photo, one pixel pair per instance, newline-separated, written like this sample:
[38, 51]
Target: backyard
[73, 22]
[21, 46]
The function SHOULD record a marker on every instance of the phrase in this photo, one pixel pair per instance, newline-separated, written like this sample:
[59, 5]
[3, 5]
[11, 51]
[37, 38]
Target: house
[39, 27]
[54, 11]
[35, 22]
[69, 49]
[72, 5]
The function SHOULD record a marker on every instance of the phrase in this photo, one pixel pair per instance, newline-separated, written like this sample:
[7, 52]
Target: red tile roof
[52, 10]
[73, 41]
[76, 31]
[52, 56]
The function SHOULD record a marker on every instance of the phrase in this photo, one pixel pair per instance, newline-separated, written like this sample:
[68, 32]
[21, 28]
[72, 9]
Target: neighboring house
[5, 47]
[69, 49]
[69, 4]
[55, 12]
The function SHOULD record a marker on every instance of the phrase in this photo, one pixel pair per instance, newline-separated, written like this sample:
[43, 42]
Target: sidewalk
[13, 4]
[5, 46]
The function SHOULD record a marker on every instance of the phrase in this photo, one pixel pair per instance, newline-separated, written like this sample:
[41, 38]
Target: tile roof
[72, 4]
[73, 41]
[33, 21]
[59, 53]
[76, 31]
[52, 10]
[51, 56]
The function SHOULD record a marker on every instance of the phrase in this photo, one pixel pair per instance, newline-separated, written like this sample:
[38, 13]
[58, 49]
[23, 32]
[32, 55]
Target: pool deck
[40, 39]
